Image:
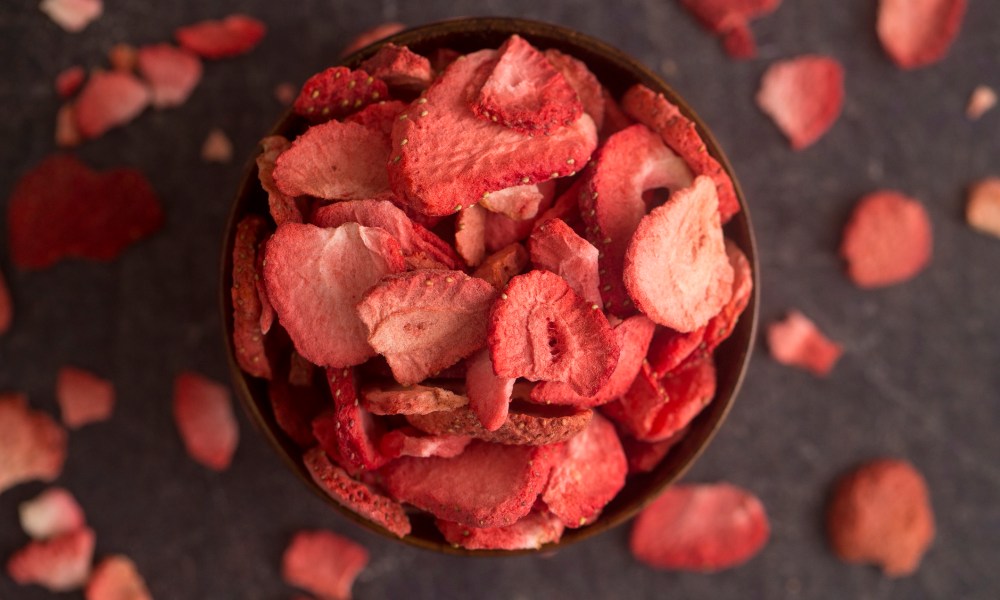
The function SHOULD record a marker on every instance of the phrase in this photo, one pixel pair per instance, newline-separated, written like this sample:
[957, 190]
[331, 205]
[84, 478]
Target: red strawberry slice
[234, 35]
[32, 445]
[172, 73]
[722, 324]
[555, 247]
[425, 321]
[525, 92]
[398, 66]
[519, 202]
[681, 135]
[60, 564]
[409, 399]
[336, 93]
[409, 441]
[631, 162]
[336, 161]
[470, 235]
[888, 240]
[982, 212]
[284, 208]
[701, 528]
[83, 397]
[445, 158]
[316, 276]
[797, 342]
[643, 457]
[380, 116]
[72, 15]
[540, 329]
[6, 306]
[117, 578]
[109, 100]
[566, 207]
[588, 89]
[731, 18]
[499, 267]
[488, 485]
[203, 413]
[357, 433]
[248, 337]
[370, 36]
[670, 348]
[69, 81]
[803, 96]
[531, 532]
[676, 270]
[323, 563]
[526, 424]
[52, 513]
[355, 495]
[918, 33]
[295, 408]
[589, 474]
[489, 393]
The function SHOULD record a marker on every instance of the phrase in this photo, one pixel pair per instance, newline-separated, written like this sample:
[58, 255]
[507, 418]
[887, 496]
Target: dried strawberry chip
[172, 73]
[643, 457]
[502, 231]
[248, 339]
[887, 240]
[62, 209]
[323, 563]
[69, 80]
[670, 348]
[234, 35]
[982, 211]
[526, 424]
[73, 15]
[555, 247]
[355, 495]
[700, 528]
[217, 147]
[588, 89]
[722, 324]
[398, 66]
[83, 397]
[284, 209]
[530, 532]
[519, 202]
[6, 306]
[380, 116]
[203, 413]
[337, 92]
[803, 96]
[295, 408]
[499, 267]
[370, 36]
[488, 485]
[797, 342]
[425, 321]
[409, 399]
[470, 235]
[109, 100]
[60, 564]
[409, 441]
[52, 513]
[588, 475]
[880, 513]
[916, 34]
[730, 18]
[982, 100]
[117, 578]
[355, 432]
[566, 207]
[489, 393]
[32, 445]
[450, 157]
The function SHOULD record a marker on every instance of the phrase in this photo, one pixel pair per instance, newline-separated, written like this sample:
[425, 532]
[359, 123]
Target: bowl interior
[617, 72]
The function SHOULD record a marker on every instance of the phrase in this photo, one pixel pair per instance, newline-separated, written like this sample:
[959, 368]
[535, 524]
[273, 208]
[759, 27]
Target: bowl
[617, 71]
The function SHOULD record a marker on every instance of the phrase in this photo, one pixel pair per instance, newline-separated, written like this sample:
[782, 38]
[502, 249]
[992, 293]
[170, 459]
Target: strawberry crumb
[982, 100]
[217, 147]
[798, 343]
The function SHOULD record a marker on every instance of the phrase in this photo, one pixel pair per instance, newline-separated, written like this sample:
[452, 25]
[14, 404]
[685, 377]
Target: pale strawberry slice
[797, 342]
[52, 513]
[499, 267]
[916, 33]
[61, 564]
[73, 15]
[284, 208]
[109, 100]
[531, 532]
[356, 432]
[370, 36]
[542, 330]
[888, 239]
[32, 445]
[425, 321]
[6, 306]
[588, 89]
[722, 324]
[217, 147]
[409, 441]
[83, 397]
[409, 399]
[525, 425]
[225, 38]
[117, 578]
[203, 413]
[248, 310]
[555, 247]
[336, 93]
[172, 73]
[502, 231]
[445, 158]
[803, 96]
[323, 563]
[470, 235]
[398, 66]
[315, 277]
[489, 393]
[69, 80]
[519, 202]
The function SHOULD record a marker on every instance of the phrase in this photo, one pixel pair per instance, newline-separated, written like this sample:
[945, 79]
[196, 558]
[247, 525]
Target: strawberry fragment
[370, 36]
[519, 202]
[722, 324]
[83, 397]
[32, 445]
[232, 36]
[555, 247]
[172, 73]
[489, 393]
[217, 148]
[470, 235]
[283, 208]
[501, 230]
[916, 34]
[531, 532]
[6, 306]
[60, 564]
[797, 342]
[588, 89]
[982, 210]
[398, 66]
[123, 57]
[294, 409]
[670, 348]
[203, 413]
[380, 116]
[69, 80]
[51, 514]
[701, 528]
[109, 100]
[117, 578]
[356, 433]
[982, 100]
[730, 18]
[410, 399]
[803, 96]
[67, 134]
[248, 337]
[887, 240]
[73, 15]
[499, 267]
[409, 441]
[337, 92]
[526, 424]
[643, 457]
[323, 563]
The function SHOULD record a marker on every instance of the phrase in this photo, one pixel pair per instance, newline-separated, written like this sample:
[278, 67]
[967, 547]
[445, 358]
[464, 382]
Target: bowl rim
[720, 406]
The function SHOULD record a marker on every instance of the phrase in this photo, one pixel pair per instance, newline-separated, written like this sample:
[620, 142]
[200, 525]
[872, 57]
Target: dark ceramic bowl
[617, 72]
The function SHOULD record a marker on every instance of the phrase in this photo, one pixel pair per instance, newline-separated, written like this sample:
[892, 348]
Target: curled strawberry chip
[51, 514]
[355, 432]
[803, 96]
[525, 425]
[498, 268]
[203, 413]
[370, 36]
[337, 92]
[172, 73]
[32, 445]
[6, 306]
[83, 397]
[555, 247]
[108, 100]
[60, 564]
[248, 310]
[730, 19]
[982, 212]
[232, 36]
[918, 33]
[797, 342]
[888, 240]
[117, 578]
[530, 532]
[409, 399]
[398, 66]
[69, 81]
[409, 441]
[323, 563]
[722, 324]
[73, 15]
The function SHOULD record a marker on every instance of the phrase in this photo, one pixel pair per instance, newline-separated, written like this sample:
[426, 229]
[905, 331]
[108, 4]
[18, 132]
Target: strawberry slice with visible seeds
[323, 563]
[117, 578]
[234, 35]
[60, 564]
[284, 208]
[409, 441]
[526, 424]
[398, 66]
[425, 321]
[380, 116]
[248, 310]
[803, 96]
[918, 33]
[336, 93]
[643, 457]
[83, 397]
[357, 434]
[670, 348]
[540, 329]
[797, 342]
[499, 267]
[531, 532]
[109, 100]
[470, 235]
[203, 413]
[409, 399]
[72, 15]
[701, 528]
[52, 513]
[172, 73]
[370, 36]
[69, 81]
[32, 445]
[888, 240]
[489, 393]
[555, 247]
[676, 270]
[6, 306]
[722, 324]
[588, 89]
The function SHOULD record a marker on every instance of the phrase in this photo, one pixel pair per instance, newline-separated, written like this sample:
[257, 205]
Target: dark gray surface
[920, 377]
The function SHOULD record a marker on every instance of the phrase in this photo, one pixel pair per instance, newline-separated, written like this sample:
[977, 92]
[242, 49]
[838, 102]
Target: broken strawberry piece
[109, 100]
[217, 148]
[803, 96]
[798, 343]
[470, 235]
[555, 247]
[123, 57]
[172, 73]
[916, 34]
[489, 393]
[83, 397]
[410, 399]
[283, 208]
[6, 306]
[117, 578]
[380, 116]
[588, 89]
[982, 100]
[60, 564]
[294, 409]
[400, 67]
[643, 457]
[232, 36]
[248, 338]
[701, 528]
[32, 445]
[526, 424]
[323, 563]
[723, 324]
[72, 15]
[670, 348]
[409, 441]
[203, 413]
[338, 92]
[52, 513]
[357, 433]
[69, 80]
[499, 267]
[888, 240]
[880, 513]
[370, 36]
[982, 211]
[530, 532]
[519, 202]
[730, 18]
[314, 279]
[502, 231]
[676, 270]
[425, 321]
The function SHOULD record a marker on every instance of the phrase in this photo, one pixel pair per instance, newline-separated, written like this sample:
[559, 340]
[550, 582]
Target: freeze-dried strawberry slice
[203, 413]
[323, 563]
[60, 564]
[248, 339]
[681, 135]
[676, 270]
[530, 532]
[445, 158]
[294, 409]
[540, 329]
[526, 424]
[888, 240]
[525, 92]
[488, 485]
[398, 66]
[225, 38]
[425, 321]
[590, 472]
[502, 231]
[356, 432]
[700, 528]
[670, 348]
[982, 212]
[409, 441]
[803, 96]
[355, 495]
[72, 15]
[499, 267]
[284, 209]
[83, 397]
[409, 399]
[730, 18]
[336, 161]
[470, 235]
[633, 336]
[916, 33]
[489, 393]
[6, 306]
[519, 202]
[316, 276]
[588, 89]
[566, 207]
[797, 342]
[337, 92]
[555, 247]
[379, 117]
[722, 324]
[32, 445]
[109, 100]
[51, 514]
[117, 578]
[69, 80]
[644, 456]
[172, 73]
[370, 36]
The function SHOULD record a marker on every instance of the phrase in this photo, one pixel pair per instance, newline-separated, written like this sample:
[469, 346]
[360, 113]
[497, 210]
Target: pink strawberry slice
[409, 399]
[315, 277]
[531, 532]
[60, 564]
[380, 116]
[172, 73]
[670, 348]
[109, 100]
[225, 38]
[470, 235]
[284, 208]
[501, 230]
[797, 342]
[336, 93]
[399, 67]
[425, 321]
[51, 514]
[445, 158]
[117, 578]
[409, 441]
[489, 393]
[804, 96]
[83, 397]
[542, 330]
[588, 89]
[519, 202]
[323, 563]
[33, 446]
[555, 247]
[722, 324]
[203, 413]
[69, 81]
[248, 310]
